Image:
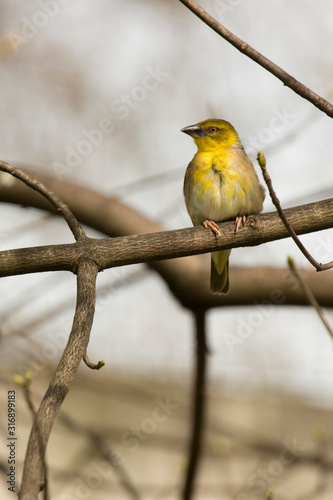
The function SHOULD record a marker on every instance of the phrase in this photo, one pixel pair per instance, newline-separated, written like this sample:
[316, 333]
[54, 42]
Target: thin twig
[319, 267]
[253, 54]
[309, 295]
[100, 443]
[24, 383]
[198, 404]
[93, 366]
[323, 463]
[62, 208]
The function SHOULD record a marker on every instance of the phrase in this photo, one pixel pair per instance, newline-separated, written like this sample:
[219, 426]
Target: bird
[220, 183]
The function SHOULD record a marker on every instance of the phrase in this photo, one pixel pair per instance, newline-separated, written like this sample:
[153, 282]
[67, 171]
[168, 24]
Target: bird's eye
[212, 129]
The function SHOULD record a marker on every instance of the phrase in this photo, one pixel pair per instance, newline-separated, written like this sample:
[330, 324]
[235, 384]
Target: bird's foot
[213, 226]
[240, 219]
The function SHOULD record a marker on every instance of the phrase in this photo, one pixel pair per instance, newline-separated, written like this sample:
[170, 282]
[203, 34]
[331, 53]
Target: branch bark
[319, 267]
[134, 249]
[32, 482]
[187, 278]
[253, 54]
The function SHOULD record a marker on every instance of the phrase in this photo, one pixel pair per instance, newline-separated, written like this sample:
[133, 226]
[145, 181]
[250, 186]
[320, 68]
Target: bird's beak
[193, 131]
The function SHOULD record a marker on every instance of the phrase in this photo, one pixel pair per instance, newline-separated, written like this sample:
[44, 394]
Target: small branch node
[93, 366]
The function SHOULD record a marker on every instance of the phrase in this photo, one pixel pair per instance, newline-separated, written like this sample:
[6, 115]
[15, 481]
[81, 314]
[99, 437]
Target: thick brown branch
[188, 278]
[32, 481]
[134, 249]
[253, 54]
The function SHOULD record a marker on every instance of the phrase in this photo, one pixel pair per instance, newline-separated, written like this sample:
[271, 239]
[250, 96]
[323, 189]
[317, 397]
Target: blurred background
[124, 78]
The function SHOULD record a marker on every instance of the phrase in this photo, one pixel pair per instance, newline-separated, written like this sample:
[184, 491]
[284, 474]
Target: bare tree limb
[134, 249]
[253, 54]
[187, 278]
[96, 439]
[32, 481]
[100, 444]
[104, 213]
[319, 267]
[309, 295]
[62, 208]
[24, 383]
[198, 409]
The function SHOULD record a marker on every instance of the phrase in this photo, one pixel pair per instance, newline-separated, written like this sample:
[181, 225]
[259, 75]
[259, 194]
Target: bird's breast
[214, 189]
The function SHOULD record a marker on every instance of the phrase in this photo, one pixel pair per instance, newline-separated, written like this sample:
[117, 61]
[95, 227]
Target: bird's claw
[213, 226]
[240, 219]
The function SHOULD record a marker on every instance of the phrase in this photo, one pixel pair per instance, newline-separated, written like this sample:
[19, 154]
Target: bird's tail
[219, 272]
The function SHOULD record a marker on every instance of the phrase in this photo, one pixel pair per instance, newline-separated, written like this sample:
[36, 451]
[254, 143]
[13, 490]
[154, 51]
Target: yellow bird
[220, 183]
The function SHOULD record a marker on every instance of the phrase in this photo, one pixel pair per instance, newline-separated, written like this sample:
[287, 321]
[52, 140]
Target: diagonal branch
[99, 442]
[319, 267]
[253, 54]
[62, 208]
[25, 384]
[32, 481]
[309, 295]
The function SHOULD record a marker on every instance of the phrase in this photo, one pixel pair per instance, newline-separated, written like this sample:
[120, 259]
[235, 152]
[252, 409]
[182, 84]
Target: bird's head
[212, 134]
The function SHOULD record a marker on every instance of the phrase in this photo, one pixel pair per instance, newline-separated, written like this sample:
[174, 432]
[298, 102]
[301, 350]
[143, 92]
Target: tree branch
[198, 405]
[319, 267]
[59, 205]
[24, 383]
[253, 54]
[99, 442]
[134, 249]
[309, 295]
[32, 481]
[187, 278]
[93, 366]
